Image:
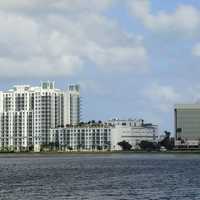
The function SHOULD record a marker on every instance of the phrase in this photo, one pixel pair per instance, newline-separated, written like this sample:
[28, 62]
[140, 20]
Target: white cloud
[39, 6]
[196, 50]
[163, 97]
[95, 87]
[119, 58]
[185, 19]
[64, 40]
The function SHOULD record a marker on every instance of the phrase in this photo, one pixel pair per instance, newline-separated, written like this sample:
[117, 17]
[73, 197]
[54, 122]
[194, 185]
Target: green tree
[148, 146]
[167, 142]
[125, 145]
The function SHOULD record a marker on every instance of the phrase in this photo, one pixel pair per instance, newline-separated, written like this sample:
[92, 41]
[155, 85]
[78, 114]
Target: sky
[132, 58]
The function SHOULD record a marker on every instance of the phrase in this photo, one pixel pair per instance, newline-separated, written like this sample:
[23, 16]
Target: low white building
[87, 137]
[104, 136]
[133, 132]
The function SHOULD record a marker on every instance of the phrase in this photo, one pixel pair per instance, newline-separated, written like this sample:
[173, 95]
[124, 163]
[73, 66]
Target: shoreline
[101, 153]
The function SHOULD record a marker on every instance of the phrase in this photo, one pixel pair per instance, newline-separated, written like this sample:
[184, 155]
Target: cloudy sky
[133, 58]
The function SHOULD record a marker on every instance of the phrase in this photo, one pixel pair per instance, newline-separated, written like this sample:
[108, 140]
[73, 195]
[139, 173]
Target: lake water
[117, 176]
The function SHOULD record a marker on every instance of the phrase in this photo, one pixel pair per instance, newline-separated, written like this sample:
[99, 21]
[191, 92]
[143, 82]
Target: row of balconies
[86, 138]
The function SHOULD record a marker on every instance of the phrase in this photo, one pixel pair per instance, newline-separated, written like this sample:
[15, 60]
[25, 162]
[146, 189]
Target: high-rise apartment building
[72, 108]
[28, 113]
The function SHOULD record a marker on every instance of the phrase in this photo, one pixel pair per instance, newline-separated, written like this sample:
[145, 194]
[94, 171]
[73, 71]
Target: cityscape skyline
[81, 115]
[99, 99]
[35, 118]
[132, 58]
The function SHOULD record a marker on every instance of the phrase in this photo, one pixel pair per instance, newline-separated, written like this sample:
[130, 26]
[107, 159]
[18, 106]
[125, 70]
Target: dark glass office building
[187, 122]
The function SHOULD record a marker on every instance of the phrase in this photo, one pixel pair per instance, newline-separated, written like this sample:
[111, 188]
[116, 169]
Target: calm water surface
[145, 176]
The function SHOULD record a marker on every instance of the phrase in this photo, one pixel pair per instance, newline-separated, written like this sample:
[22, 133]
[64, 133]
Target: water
[119, 176]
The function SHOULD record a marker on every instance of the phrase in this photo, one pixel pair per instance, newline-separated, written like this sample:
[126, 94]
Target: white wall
[66, 108]
[133, 135]
[1, 101]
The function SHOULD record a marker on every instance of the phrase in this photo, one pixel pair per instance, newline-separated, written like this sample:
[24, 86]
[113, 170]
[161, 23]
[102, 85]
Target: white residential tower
[28, 113]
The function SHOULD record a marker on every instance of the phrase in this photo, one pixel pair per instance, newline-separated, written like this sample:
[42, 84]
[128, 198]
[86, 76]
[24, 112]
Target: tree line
[167, 143]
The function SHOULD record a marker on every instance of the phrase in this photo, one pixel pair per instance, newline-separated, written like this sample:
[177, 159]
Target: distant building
[133, 132]
[187, 125]
[72, 108]
[87, 137]
[28, 113]
[103, 136]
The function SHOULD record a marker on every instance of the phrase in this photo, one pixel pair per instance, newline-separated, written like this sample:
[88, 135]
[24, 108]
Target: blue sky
[132, 58]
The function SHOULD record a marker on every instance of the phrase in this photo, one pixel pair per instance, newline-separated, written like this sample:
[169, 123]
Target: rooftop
[187, 106]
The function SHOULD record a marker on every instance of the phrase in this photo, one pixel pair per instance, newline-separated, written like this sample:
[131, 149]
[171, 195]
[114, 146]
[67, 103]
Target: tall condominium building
[73, 105]
[28, 113]
[187, 124]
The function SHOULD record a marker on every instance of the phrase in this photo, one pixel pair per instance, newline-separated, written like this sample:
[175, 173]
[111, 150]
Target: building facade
[187, 125]
[133, 132]
[82, 137]
[72, 108]
[103, 136]
[28, 113]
